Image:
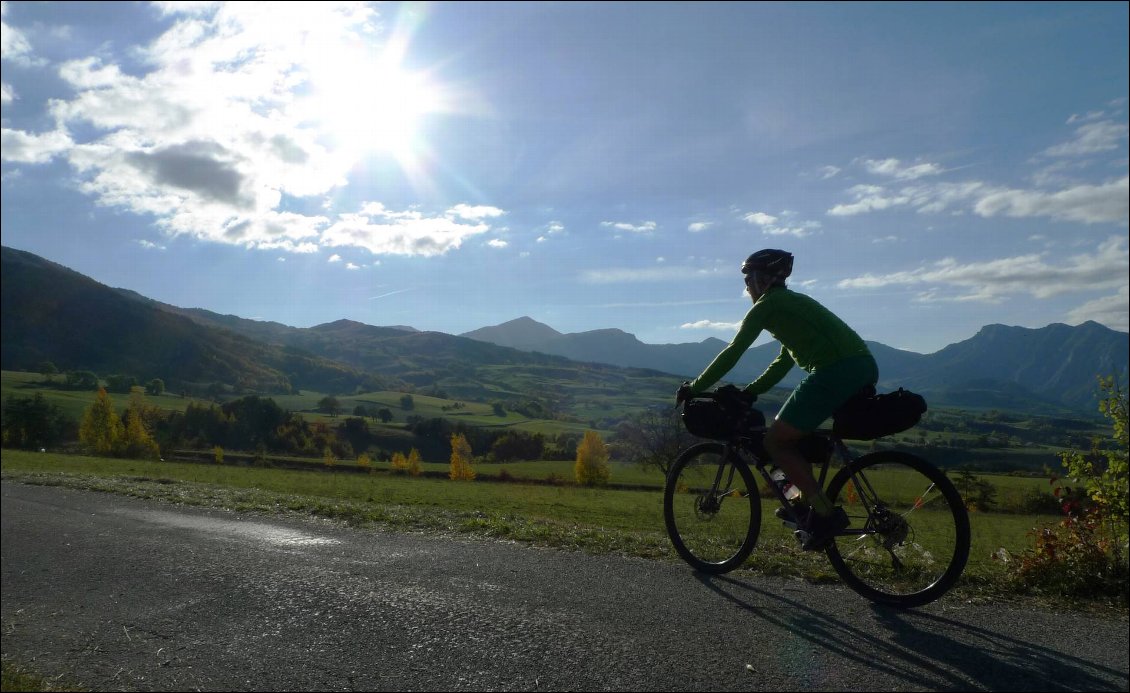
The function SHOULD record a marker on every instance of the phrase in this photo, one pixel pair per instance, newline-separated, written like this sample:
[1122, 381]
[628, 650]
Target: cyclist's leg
[809, 405]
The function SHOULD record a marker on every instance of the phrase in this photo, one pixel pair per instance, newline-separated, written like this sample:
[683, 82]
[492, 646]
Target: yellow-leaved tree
[413, 462]
[101, 428]
[591, 468]
[138, 442]
[460, 459]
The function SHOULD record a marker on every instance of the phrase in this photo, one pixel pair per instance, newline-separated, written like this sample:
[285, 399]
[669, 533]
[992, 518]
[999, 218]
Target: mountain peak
[520, 333]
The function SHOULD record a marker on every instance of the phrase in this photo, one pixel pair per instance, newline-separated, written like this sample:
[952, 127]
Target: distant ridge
[51, 313]
[1052, 366]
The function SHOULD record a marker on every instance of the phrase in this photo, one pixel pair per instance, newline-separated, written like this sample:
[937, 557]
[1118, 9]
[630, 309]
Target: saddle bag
[870, 416]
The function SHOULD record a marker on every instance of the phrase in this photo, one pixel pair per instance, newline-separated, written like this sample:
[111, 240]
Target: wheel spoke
[712, 509]
[914, 544]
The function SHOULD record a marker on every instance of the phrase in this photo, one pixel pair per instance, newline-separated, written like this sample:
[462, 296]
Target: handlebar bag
[715, 419]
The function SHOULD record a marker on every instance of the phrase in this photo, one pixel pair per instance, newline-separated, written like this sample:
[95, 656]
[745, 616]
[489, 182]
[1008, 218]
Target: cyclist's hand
[683, 393]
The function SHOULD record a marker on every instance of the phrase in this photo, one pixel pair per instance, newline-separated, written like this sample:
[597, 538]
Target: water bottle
[778, 476]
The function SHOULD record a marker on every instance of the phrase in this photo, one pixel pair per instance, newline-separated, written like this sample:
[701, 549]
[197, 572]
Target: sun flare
[372, 106]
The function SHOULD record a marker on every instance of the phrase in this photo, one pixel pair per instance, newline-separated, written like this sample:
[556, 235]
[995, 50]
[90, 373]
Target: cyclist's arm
[728, 358]
[773, 374]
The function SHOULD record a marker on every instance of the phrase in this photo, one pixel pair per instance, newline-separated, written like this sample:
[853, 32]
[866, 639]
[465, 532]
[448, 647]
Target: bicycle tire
[712, 530]
[914, 544]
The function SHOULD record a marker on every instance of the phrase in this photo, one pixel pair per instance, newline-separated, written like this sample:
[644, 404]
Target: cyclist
[838, 363]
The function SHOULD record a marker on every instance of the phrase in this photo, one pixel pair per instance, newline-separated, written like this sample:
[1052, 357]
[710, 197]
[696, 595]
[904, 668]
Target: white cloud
[497, 243]
[1040, 275]
[1111, 311]
[781, 225]
[1090, 204]
[1091, 138]
[222, 123]
[7, 93]
[14, 45]
[827, 172]
[645, 227]
[894, 168]
[26, 148]
[760, 218]
[699, 226]
[476, 212]
[334, 258]
[710, 325]
[382, 231]
[351, 266]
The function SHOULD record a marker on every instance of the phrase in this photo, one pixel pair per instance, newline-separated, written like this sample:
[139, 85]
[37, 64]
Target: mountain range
[51, 313]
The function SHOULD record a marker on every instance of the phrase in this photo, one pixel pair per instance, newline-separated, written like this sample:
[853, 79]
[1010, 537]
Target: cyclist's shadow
[925, 650]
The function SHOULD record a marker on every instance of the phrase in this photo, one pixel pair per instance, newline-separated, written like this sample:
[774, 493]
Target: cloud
[1112, 311]
[776, 226]
[497, 243]
[26, 148]
[1057, 196]
[14, 46]
[1090, 204]
[1040, 275]
[203, 168]
[699, 226]
[827, 172]
[645, 227]
[760, 218]
[387, 232]
[220, 125]
[476, 212]
[893, 168]
[1092, 138]
[710, 325]
[334, 258]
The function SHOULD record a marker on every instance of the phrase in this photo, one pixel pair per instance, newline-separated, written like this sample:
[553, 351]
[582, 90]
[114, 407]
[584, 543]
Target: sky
[933, 167]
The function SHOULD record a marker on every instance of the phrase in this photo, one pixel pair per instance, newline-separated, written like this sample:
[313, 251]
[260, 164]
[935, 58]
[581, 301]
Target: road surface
[116, 593]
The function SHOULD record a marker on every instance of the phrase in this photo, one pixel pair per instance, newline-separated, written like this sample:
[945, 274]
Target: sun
[371, 105]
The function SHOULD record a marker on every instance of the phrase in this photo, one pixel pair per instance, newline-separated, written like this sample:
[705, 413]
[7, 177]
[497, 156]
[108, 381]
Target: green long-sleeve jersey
[811, 336]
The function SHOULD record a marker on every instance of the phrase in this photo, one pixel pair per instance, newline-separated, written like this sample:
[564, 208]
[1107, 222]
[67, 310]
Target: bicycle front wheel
[909, 536]
[711, 508]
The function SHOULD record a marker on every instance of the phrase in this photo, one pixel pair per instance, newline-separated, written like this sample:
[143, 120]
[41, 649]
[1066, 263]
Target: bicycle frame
[745, 447]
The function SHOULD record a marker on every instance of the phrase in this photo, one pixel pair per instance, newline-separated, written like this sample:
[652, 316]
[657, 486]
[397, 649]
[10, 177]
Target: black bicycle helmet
[770, 262]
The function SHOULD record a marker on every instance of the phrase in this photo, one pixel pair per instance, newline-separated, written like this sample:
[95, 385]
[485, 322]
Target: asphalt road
[120, 594]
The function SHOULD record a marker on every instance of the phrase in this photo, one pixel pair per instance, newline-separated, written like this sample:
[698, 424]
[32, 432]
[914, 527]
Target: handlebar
[725, 393]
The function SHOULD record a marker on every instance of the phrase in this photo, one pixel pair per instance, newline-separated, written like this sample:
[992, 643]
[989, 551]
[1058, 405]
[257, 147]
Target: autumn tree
[591, 468]
[101, 428]
[414, 467]
[460, 458]
[137, 441]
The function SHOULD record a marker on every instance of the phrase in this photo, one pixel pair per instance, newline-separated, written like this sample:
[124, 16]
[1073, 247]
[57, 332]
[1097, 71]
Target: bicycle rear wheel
[911, 529]
[711, 508]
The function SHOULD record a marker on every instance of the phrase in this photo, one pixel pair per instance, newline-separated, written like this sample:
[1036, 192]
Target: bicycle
[909, 536]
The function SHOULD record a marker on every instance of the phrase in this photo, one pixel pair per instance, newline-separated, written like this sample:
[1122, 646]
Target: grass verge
[598, 521]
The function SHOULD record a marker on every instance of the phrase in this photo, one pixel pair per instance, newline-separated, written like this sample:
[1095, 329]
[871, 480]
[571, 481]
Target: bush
[1085, 555]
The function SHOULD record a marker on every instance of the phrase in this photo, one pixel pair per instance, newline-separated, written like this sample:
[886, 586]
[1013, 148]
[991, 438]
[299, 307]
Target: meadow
[624, 520]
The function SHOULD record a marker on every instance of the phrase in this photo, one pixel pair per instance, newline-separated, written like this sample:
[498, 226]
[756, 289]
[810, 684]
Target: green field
[608, 520]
